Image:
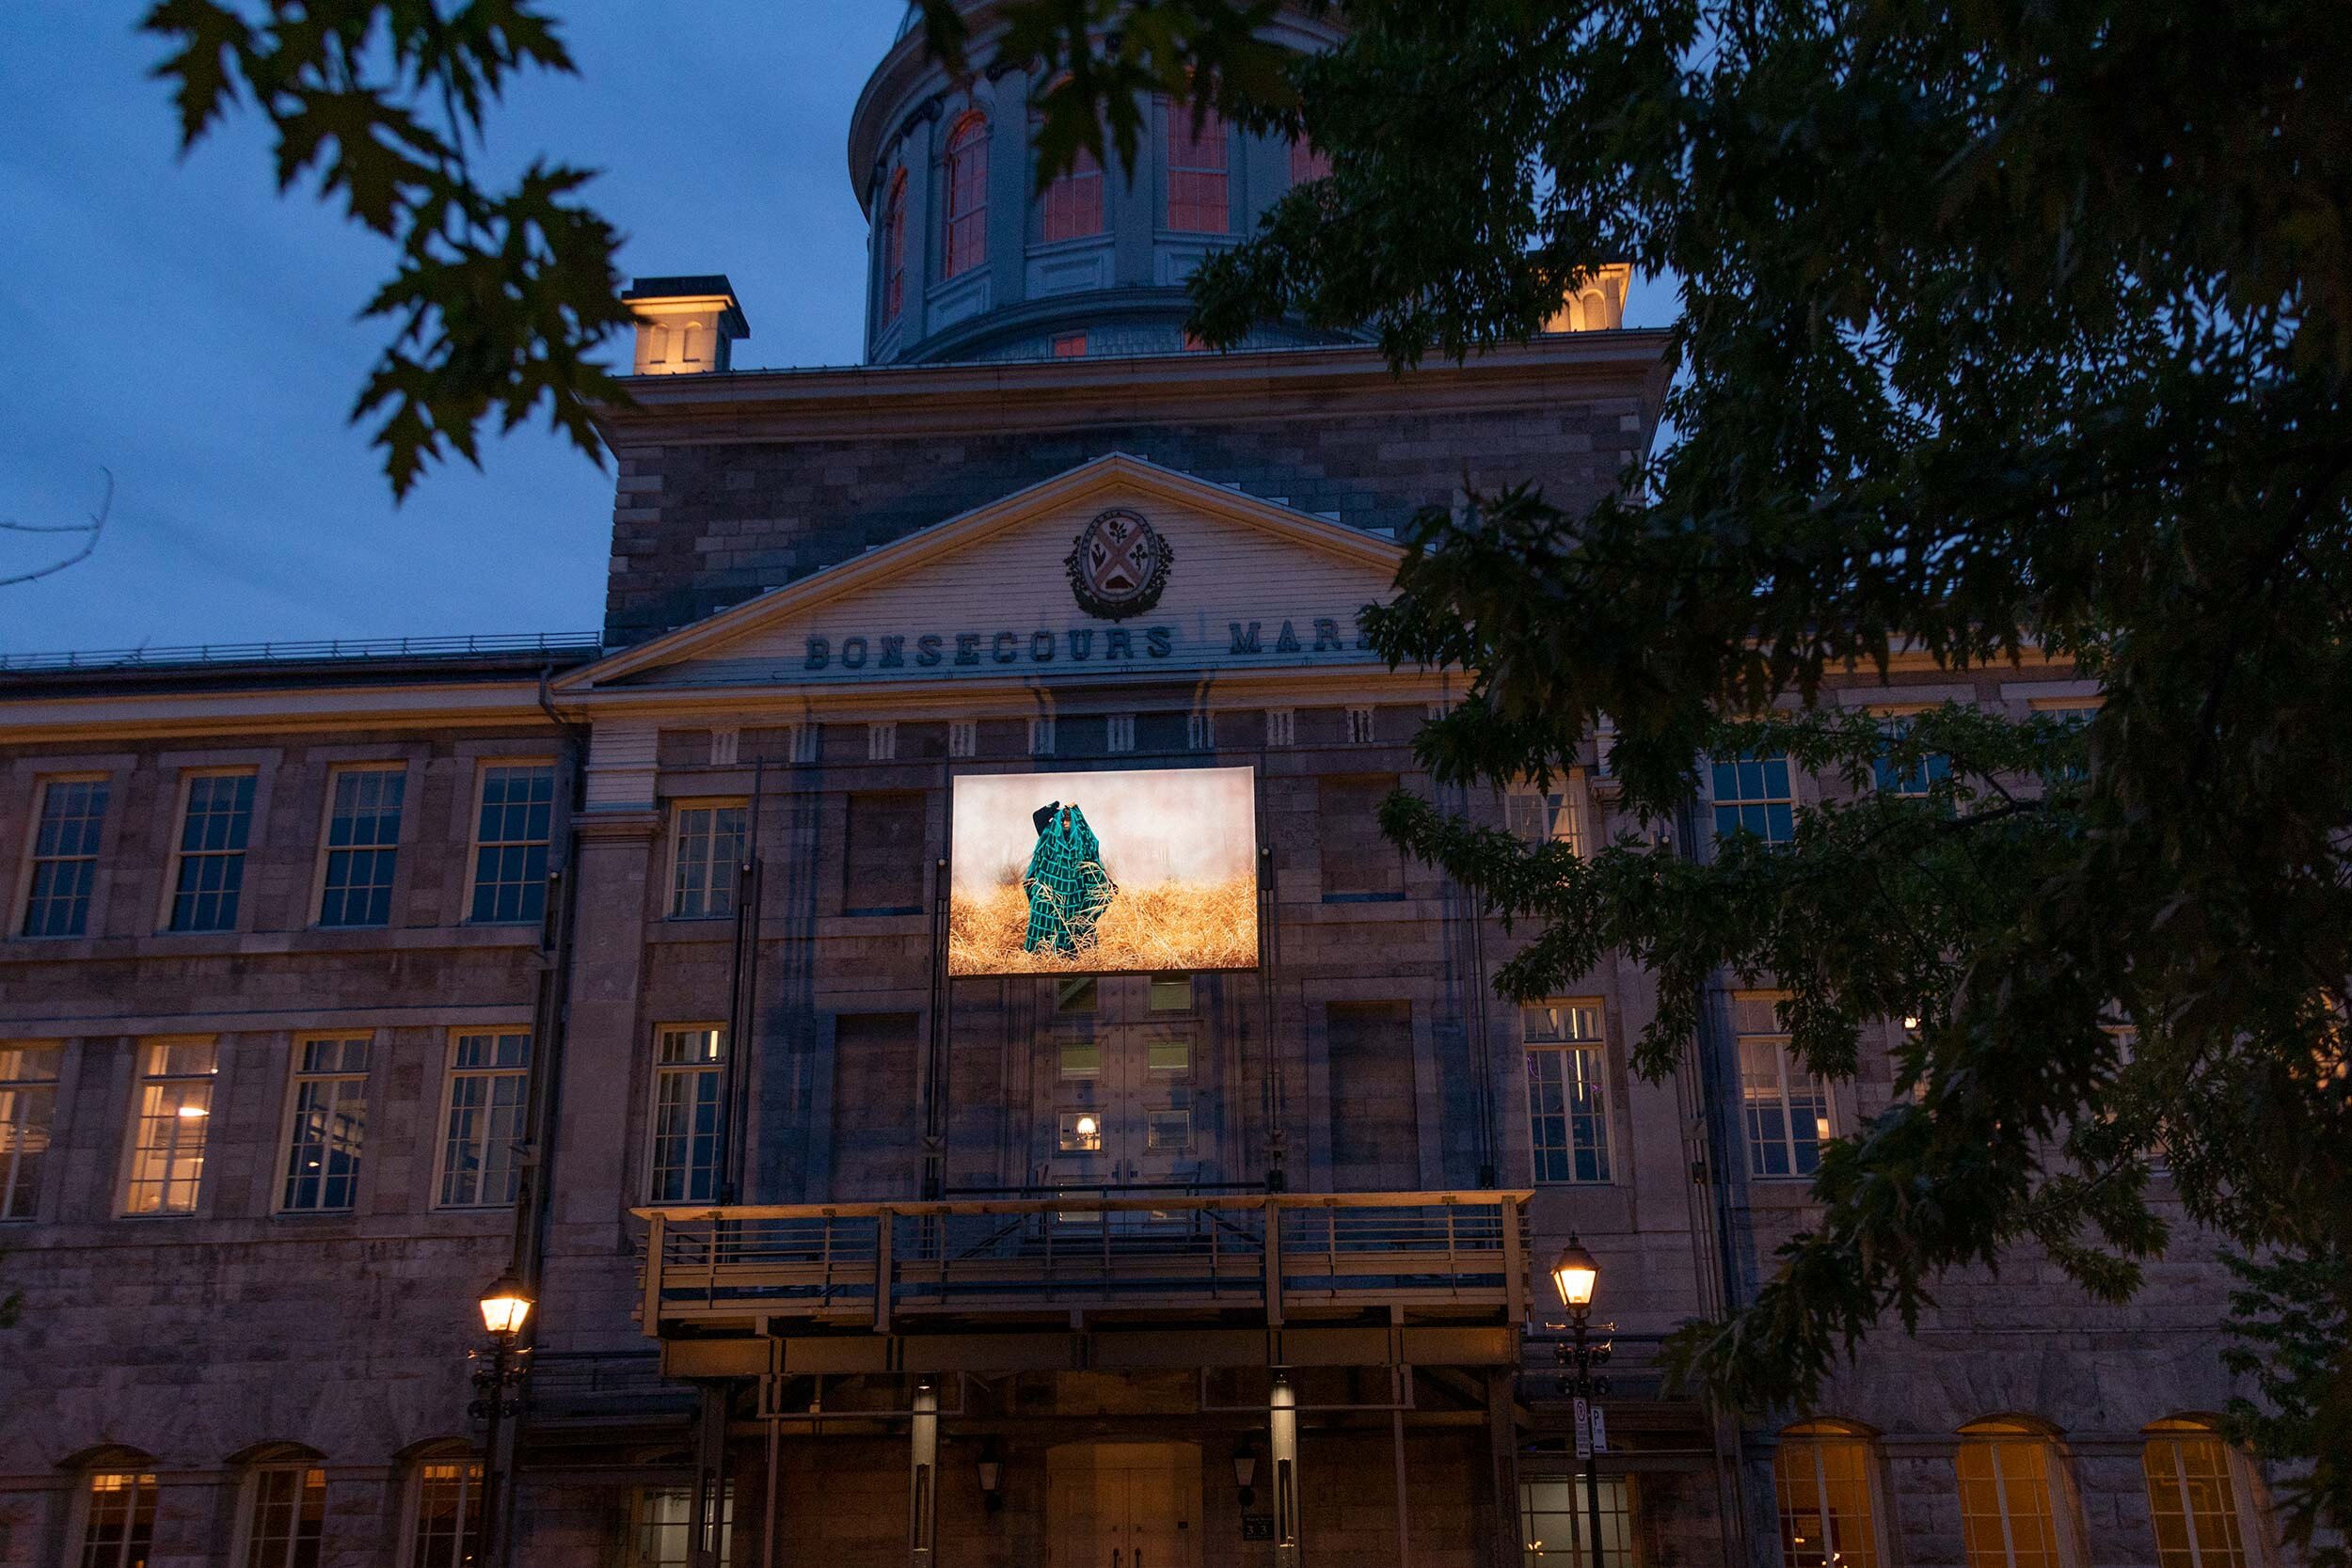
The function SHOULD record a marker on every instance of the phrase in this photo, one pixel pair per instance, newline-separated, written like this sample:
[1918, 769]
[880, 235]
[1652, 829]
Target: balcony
[1286, 1263]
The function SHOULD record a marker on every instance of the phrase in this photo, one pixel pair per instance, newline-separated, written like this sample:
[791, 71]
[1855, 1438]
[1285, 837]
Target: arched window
[445, 1510]
[285, 1508]
[893, 248]
[967, 196]
[2192, 1497]
[1197, 188]
[115, 1515]
[2006, 1513]
[1309, 163]
[1821, 1477]
[1071, 207]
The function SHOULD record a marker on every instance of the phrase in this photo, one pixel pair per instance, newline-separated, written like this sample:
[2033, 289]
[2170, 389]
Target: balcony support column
[923, 1479]
[1282, 1439]
[1503, 1438]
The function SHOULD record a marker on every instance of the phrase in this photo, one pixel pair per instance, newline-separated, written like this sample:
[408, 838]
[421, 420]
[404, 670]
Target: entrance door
[1123, 1505]
[1124, 1084]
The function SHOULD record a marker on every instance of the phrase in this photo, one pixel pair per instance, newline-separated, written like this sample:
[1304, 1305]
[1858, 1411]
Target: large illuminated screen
[1138, 872]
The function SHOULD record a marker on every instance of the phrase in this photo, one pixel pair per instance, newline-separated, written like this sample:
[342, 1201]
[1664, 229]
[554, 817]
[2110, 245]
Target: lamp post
[1575, 1274]
[497, 1376]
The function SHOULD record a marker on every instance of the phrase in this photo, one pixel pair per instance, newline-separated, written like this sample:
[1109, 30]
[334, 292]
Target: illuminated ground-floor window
[660, 1530]
[1821, 1477]
[117, 1520]
[1555, 1522]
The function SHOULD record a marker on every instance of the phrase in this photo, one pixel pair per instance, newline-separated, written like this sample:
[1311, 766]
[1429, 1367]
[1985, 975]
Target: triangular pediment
[993, 595]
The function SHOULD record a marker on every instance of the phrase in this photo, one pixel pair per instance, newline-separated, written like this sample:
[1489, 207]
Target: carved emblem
[1119, 566]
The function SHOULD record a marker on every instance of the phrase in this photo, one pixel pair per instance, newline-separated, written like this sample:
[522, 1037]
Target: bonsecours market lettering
[1079, 645]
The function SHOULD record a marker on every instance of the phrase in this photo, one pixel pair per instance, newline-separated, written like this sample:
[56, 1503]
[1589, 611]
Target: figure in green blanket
[1067, 886]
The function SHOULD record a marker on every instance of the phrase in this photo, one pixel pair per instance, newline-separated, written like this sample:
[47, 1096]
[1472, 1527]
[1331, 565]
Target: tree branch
[90, 532]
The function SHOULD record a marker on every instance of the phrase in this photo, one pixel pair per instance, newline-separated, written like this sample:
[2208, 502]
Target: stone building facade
[337, 981]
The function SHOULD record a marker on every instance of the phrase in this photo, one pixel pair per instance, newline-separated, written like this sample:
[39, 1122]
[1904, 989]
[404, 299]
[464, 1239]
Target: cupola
[686, 325]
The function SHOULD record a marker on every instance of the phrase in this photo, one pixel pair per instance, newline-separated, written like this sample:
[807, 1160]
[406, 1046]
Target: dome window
[967, 196]
[1198, 200]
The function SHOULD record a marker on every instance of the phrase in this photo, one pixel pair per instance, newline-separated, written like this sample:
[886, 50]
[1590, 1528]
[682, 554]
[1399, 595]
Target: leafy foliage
[499, 297]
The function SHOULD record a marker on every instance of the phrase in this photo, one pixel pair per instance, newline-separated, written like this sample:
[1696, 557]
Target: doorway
[1123, 1505]
[1123, 1101]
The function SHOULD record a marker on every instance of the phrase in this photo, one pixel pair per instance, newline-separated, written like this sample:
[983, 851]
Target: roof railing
[337, 651]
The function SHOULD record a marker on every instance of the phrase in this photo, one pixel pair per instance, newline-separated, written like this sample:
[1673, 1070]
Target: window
[215, 816]
[1360, 864]
[1119, 732]
[1197, 201]
[175, 1112]
[1309, 163]
[881, 741]
[362, 843]
[1786, 1107]
[1081, 1132]
[1568, 1094]
[510, 858]
[1914, 778]
[2192, 1498]
[1821, 1477]
[329, 1124]
[967, 196]
[687, 1077]
[488, 1082]
[1041, 735]
[1360, 726]
[885, 863]
[1075, 996]
[660, 1519]
[117, 1520]
[1281, 726]
[1071, 345]
[963, 737]
[707, 847]
[446, 1531]
[1072, 204]
[1172, 993]
[1751, 796]
[66, 832]
[28, 1114]
[894, 243]
[1557, 1512]
[1081, 1059]
[1200, 731]
[1168, 1132]
[1541, 816]
[289, 1517]
[2005, 1512]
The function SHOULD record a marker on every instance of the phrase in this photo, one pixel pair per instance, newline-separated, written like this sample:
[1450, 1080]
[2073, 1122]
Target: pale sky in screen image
[1160, 824]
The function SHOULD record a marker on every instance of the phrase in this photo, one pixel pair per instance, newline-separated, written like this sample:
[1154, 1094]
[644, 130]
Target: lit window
[1081, 1132]
[1821, 1477]
[2192, 1498]
[2005, 1510]
[687, 1077]
[28, 1116]
[1915, 778]
[1787, 1109]
[1751, 796]
[1556, 1514]
[894, 243]
[1539, 817]
[707, 850]
[660, 1519]
[1071, 207]
[330, 1124]
[488, 1082]
[446, 1531]
[1198, 201]
[117, 1520]
[510, 863]
[1071, 345]
[214, 821]
[1309, 163]
[1568, 1094]
[289, 1518]
[967, 196]
[175, 1117]
[362, 845]
[66, 832]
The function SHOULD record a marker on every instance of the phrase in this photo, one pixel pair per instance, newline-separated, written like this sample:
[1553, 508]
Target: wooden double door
[1125, 1093]
[1123, 1505]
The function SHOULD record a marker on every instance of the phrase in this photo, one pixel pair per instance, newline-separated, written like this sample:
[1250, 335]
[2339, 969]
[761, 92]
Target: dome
[967, 262]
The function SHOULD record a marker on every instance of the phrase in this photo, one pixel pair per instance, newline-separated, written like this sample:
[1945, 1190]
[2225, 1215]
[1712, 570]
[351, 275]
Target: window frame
[894, 258]
[1990, 1438]
[1071, 187]
[475, 843]
[1789, 1066]
[297, 1077]
[148, 1047]
[2244, 1511]
[1572, 806]
[334, 776]
[246, 1544]
[1577, 1552]
[81, 1549]
[1818, 1437]
[971, 137]
[716, 1068]
[28, 871]
[1595, 1046]
[12, 1159]
[442, 1168]
[470, 1467]
[1179, 118]
[714, 804]
[165, 922]
[1742, 801]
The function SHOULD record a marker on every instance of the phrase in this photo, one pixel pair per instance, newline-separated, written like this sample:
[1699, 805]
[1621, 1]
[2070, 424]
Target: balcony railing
[1275, 1257]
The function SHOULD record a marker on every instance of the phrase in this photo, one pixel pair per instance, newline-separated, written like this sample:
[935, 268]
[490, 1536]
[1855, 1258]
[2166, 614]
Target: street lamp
[1576, 1273]
[498, 1377]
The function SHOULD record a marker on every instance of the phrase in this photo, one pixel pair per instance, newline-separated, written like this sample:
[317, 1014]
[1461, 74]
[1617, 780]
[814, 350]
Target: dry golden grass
[1156, 929]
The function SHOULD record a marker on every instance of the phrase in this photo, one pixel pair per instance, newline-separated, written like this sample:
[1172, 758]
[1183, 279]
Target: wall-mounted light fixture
[991, 1472]
[1246, 1471]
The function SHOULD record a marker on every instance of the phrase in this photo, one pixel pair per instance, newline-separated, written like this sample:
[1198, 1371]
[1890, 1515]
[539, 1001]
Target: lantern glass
[504, 1306]
[1575, 1274]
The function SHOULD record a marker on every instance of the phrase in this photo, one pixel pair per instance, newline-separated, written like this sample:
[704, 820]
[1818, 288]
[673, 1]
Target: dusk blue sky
[180, 325]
